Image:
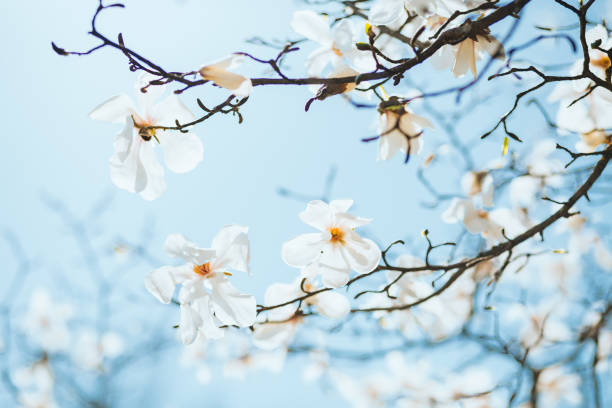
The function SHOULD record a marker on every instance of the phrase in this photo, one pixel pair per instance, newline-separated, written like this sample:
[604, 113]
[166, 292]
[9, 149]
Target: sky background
[51, 149]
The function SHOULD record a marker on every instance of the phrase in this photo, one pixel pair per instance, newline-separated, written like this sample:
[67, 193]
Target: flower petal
[232, 307]
[312, 26]
[182, 151]
[318, 214]
[176, 245]
[232, 246]
[302, 250]
[208, 328]
[156, 184]
[188, 324]
[332, 305]
[114, 110]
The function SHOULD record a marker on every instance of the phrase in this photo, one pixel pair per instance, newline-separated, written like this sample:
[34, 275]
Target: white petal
[188, 324]
[126, 169]
[317, 214]
[362, 254]
[278, 293]
[231, 307]
[334, 277]
[218, 73]
[332, 305]
[341, 205]
[177, 245]
[493, 47]
[487, 191]
[232, 246]
[318, 60]
[389, 144]
[208, 328]
[169, 110]
[302, 250]
[464, 57]
[146, 100]
[182, 151]
[343, 35]
[271, 336]
[312, 26]
[386, 12]
[114, 110]
[156, 185]
[161, 282]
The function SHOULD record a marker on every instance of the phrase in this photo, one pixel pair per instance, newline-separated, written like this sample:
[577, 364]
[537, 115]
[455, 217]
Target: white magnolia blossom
[555, 385]
[220, 73]
[399, 130]
[337, 248]
[544, 171]
[463, 56]
[389, 12]
[91, 349]
[207, 299]
[337, 43]
[475, 220]
[271, 361]
[46, 322]
[479, 183]
[330, 304]
[134, 165]
[35, 386]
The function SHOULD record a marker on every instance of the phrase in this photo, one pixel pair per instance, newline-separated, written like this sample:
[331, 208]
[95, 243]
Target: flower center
[482, 214]
[202, 270]
[336, 51]
[337, 235]
[602, 62]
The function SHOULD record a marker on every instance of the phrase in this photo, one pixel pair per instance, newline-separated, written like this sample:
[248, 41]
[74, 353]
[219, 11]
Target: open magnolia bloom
[207, 299]
[399, 130]
[220, 73]
[337, 44]
[475, 220]
[465, 54]
[46, 322]
[336, 249]
[134, 165]
[92, 349]
[476, 183]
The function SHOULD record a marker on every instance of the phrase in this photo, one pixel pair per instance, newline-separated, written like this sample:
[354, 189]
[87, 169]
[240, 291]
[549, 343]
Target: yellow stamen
[337, 235]
[202, 270]
[384, 93]
[602, 62]
[227, 273]
[505, 147]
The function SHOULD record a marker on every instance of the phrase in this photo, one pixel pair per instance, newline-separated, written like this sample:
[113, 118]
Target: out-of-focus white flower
[364, 392]
[555, 385]
[399, 129]
[220, 73]
[317, 366]
[134, 165]
[389, 12]
[544, 171]
[35, 386]
[337, 248]
[207, 299]
[271, 361]
[194, 355]
[330, 304]
[476, 183]
[476, 221]
[46, 322]
[91, 349]
[337, 44]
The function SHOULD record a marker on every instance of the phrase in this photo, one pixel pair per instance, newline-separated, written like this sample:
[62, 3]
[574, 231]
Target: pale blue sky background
[49, 145]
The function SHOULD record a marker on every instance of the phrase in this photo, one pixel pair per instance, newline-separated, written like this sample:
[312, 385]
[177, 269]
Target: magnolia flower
[464, 55]
[207, 299]
[336, 44]
[555, 384]
[474, 183]
[134, 166]
[35, 385]
[388, 12]
[46, 322]
[91, 349]
[337, 248]
[399, 130]
[219, 73]
[476, 221]
[543, 171]
[271, 361]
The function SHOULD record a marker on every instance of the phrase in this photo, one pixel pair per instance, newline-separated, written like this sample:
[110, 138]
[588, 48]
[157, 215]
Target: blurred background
[68, 231]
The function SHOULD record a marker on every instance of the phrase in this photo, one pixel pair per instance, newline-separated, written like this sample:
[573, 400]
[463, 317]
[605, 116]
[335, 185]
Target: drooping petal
[391, 143]
[208, 328]
[332, 305]
[232, 307]
[487, 191]
[114, 110]
[493, 47]
[182, 151]
[464, 57]
[312, 26]
[302, 250]
[188, 324]
[126, 169]
[156, 184]
[232, 246]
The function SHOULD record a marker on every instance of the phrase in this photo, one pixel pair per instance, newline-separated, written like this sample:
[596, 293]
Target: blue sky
[51, 147]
